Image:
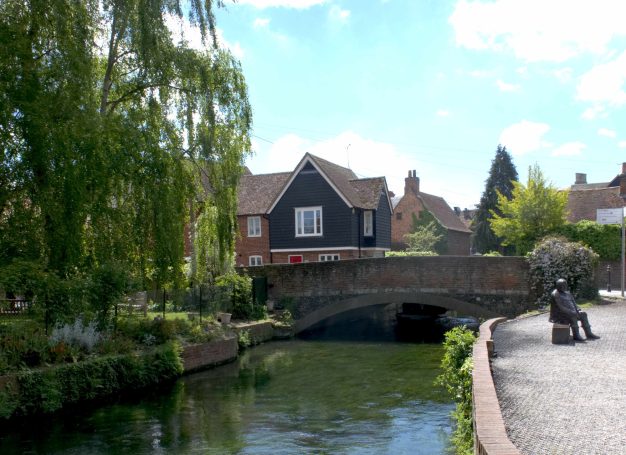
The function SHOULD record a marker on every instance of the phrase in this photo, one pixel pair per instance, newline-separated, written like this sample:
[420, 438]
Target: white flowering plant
[556, 257]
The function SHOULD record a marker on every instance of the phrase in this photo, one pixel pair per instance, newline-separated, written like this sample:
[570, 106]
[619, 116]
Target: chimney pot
[581, 178]
[409, 173]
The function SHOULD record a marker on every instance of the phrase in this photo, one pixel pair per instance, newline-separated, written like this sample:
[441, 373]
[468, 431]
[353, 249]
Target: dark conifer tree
[501, 176]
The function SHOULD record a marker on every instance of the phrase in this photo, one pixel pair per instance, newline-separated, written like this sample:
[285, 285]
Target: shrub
[244, 340]
[604, 239]
[456, 378]
[48, 390]
[106, 286]
[85, 337]
[22, 344]
[554, 258]
[241, 304]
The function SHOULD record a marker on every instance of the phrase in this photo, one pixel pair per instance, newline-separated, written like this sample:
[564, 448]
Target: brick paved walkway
[563, 399]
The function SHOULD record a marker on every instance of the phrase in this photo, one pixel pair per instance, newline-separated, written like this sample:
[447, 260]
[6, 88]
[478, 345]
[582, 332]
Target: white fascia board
[303, 161]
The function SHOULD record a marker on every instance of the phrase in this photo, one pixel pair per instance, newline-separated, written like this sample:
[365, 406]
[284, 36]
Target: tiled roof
[360, 193]
[582, 204]
[589, 186]
[340, 177]
[368, 191]
[257, 192]
[442, 211]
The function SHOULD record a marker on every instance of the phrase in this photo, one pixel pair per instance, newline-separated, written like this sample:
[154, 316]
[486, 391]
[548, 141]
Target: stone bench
[560, 333]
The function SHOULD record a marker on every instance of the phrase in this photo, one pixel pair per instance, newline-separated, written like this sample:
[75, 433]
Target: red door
[295, 259]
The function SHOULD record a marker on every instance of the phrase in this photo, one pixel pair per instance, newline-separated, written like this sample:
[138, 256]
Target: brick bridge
[483, 287]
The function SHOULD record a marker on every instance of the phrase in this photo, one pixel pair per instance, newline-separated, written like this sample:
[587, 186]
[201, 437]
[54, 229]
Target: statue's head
[561, 285]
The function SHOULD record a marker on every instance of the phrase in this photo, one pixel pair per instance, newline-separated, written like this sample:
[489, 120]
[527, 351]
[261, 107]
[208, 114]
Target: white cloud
[366, 157]
[480, 73]
[607, 133]
[593, 112]
[604, 83]
[294, 4]
[442, 113]
[505, 87]
[338, 14]
[524, 137]
[569, 149]
[539, 30]
[622, 144]
[260, 22]
[564, 75]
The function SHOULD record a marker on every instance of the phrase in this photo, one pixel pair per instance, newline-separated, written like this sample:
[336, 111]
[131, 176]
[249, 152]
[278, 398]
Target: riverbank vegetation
[45, 390]
[456, 378]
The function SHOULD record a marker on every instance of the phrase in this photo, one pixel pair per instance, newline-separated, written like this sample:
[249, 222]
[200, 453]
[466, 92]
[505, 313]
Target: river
[292, 397]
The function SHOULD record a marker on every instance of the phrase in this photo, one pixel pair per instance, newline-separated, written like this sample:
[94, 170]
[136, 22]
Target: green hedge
[604, 239]
[48, 390]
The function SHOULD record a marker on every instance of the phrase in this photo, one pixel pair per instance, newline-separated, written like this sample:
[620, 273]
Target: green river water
[292, 397]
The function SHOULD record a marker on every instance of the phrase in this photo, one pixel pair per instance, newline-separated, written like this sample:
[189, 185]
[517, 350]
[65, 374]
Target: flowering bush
[82, 336]
[554, 258]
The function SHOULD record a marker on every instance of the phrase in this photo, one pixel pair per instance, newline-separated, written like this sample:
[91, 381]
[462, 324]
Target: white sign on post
[609, 216]
[615, 216]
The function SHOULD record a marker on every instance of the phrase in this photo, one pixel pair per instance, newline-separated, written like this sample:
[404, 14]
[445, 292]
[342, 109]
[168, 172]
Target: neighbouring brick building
[585, 198]
[255, 194]
[412, 203]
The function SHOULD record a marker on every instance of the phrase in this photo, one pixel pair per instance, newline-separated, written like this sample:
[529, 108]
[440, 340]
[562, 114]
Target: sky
[388, 86]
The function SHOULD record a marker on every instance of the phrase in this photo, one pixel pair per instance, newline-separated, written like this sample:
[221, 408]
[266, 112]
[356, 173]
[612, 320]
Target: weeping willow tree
[106, 112]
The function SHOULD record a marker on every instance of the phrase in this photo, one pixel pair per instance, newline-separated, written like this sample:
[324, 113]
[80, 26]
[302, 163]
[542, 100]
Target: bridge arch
[387, 298]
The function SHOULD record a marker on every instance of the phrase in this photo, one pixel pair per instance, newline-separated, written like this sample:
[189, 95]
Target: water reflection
[281, 398]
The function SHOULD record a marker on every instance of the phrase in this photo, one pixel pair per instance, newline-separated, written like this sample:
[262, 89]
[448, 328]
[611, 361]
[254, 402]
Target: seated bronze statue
[564, 310]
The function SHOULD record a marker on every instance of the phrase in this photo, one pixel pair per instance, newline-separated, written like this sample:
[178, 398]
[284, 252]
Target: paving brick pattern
[563, 399]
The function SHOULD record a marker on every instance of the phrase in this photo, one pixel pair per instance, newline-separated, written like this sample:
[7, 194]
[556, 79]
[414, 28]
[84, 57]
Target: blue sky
[385, 86]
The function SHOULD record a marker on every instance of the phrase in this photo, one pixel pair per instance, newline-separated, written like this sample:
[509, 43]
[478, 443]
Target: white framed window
[329, 257]
[254, 261]
[254, 226]
[308, 221]
[368, 223]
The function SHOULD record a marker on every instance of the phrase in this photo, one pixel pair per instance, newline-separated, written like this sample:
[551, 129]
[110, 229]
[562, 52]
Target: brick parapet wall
[499, 282]
[490, 437]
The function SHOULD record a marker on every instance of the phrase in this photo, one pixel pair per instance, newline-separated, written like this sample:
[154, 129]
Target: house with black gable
[323, 212]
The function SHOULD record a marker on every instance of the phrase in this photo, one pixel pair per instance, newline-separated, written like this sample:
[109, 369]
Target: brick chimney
[412, 183]
[581, 179]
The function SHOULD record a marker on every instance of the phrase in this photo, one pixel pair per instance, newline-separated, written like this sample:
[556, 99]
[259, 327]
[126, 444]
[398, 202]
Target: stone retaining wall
[490, 436]
[205, 355]
[259, 332]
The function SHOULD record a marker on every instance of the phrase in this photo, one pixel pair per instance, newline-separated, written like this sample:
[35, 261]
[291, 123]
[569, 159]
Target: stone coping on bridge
[490, 437]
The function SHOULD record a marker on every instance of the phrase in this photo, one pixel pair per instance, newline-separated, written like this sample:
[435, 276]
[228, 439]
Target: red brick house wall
[402, 219]
[313, 256]
[252, 246]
